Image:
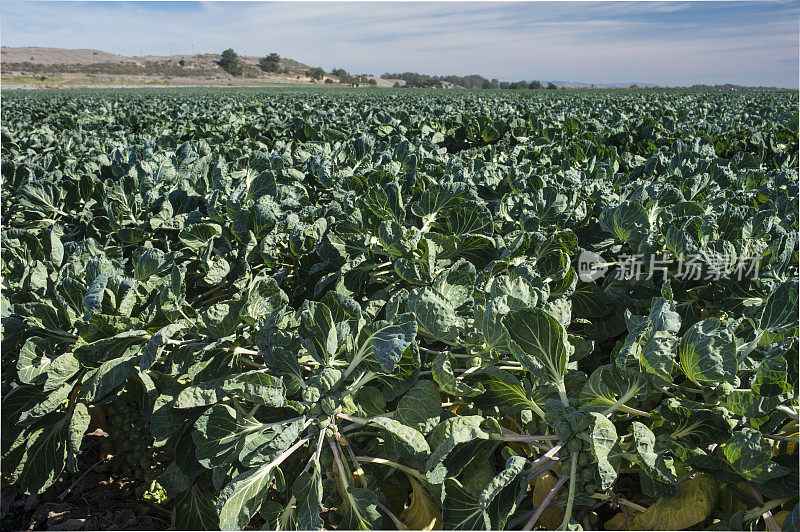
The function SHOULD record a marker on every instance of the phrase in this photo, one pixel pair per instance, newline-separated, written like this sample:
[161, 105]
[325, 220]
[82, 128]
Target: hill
[39, 66]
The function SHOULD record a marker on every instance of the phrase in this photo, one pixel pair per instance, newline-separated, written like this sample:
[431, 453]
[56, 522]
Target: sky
[664, 43]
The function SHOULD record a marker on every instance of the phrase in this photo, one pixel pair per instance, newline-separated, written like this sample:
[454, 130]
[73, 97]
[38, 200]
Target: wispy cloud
[656, 42]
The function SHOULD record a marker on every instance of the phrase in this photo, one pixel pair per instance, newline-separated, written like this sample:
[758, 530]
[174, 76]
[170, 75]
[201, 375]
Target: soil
[92, 499]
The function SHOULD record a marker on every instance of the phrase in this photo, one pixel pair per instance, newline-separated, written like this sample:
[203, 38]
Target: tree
[315, 73]
[535, 85]
[182, 62]
[371, 81]
[328, 81]
[551, 86]
[231, 62]
[342, 74]
[270, 63]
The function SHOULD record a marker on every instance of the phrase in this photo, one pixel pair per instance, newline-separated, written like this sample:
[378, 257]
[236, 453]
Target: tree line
[472, 81]
[232, 63]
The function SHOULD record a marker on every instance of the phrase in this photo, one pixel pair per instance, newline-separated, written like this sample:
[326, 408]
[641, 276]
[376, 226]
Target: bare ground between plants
[97, 500]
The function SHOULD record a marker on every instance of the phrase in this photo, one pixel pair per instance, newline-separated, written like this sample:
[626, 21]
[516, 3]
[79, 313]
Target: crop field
[402, 309]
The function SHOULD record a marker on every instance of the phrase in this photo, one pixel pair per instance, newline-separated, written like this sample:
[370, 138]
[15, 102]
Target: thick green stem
[625, 408]
[562, 391]
[389, 463]
[573, 472]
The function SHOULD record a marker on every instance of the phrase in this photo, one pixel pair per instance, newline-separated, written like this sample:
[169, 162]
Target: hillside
[39, 66]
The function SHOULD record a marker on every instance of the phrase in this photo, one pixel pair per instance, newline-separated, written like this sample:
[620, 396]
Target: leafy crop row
[368, 310]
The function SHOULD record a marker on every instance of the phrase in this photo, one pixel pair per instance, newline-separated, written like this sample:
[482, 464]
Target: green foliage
[367, 309]
[231, 62]
[315, 73]
[270, 63]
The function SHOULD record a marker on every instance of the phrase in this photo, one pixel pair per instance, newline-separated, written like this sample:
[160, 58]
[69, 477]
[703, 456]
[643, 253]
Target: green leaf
[218, 434]
[450, 433]
[537, 340]
[420, 407]
[93, 300]
[217, 271]
[307, 490]
[241, 498]
[605, 449]
[442, 371]
[359, 509]
[628, 222]
[435, 315]
[194, 509]
[387, 342]
[155, 346]
[60, 371]
[501, 389]
[44, 457]
[103, 350]
[221, 319]
[265, 297]
[78, 425]
[410, 439]
[34, 359]
[439, 199]
[110, 376]
[149, 263]
[318, 332]
[607, 390]
[780, 311]
[655, 478]
[514, 466]
[750, 455]
[456, 283]
[707, 352]
[460, 509]
[197, 235]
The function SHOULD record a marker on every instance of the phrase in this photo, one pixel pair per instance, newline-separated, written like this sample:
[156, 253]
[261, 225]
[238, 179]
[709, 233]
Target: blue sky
[603, 42]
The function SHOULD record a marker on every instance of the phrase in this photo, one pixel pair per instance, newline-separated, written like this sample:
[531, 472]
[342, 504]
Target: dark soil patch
[99, 500]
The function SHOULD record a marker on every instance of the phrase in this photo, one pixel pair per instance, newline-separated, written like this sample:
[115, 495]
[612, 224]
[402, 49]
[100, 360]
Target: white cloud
[655, 42]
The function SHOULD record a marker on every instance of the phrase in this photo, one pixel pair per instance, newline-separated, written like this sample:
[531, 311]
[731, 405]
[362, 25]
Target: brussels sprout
[328, 405]
[563, 431]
